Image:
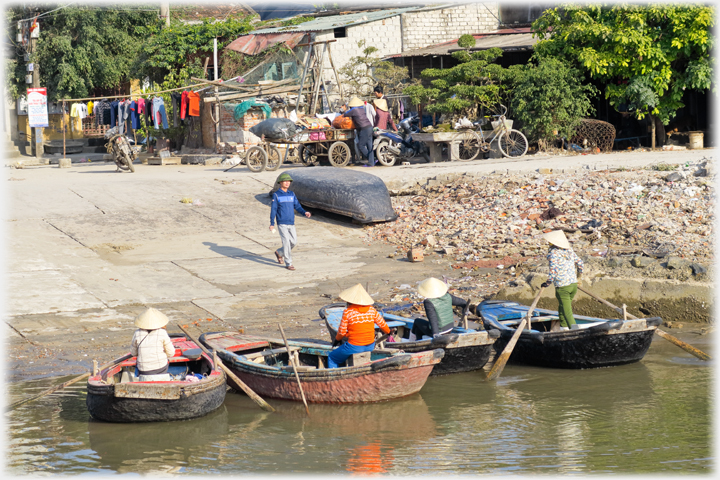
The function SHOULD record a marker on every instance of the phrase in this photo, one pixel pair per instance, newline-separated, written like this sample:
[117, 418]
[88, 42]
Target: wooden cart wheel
[383, 155]
[256, 159]
[339, 154]
[274, 158]
[468, 145]
[308, 156]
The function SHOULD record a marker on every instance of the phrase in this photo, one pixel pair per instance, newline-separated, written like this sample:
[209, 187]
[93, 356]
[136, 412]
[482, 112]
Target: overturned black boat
[359, 195]
[596, 342]
[465, 349]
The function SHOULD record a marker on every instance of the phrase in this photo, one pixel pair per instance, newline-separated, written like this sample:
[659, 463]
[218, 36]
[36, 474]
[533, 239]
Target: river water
[654, 416]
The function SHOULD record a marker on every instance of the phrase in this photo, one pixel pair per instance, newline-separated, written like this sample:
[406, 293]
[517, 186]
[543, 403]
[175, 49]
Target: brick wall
[428, 27]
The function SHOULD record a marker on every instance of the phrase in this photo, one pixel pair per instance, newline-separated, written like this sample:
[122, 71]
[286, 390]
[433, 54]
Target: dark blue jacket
[282, 206]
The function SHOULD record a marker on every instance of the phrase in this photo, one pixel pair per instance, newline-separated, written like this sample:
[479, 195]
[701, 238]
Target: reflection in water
[648, 417]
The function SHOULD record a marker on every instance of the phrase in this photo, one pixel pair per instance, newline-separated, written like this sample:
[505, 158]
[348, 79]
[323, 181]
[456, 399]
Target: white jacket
[152, 348]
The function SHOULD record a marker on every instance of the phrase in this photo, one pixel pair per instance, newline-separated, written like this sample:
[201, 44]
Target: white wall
[428, 27]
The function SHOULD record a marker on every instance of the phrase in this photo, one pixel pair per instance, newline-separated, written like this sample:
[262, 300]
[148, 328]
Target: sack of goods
[344, 123]
[275, 129]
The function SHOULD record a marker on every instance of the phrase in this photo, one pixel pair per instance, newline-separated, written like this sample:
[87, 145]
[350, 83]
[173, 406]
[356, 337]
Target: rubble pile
[494, 220]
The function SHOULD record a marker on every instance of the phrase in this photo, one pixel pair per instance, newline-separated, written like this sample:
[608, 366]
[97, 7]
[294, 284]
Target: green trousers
[564, 297]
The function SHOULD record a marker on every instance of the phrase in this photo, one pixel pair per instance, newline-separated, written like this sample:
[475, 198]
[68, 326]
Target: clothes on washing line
[78, 110]
[194, 104]
[159, 114]
[176, 99]
[90, 106]
[184, 103]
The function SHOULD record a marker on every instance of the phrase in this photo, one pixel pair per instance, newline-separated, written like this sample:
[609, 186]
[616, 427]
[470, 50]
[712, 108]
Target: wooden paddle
[466, 310]
[69, 382]
[248, 391]
[499, 364]
[685, 346]
[297, 377]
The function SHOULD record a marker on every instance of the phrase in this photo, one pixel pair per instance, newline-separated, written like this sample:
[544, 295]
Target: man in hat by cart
[283, 206]
[357, 325]
[438, 305]
[152, 345]
[363, 128]
[563, 274]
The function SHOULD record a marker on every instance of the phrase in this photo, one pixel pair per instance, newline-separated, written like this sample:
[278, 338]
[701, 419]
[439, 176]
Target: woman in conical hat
[357, 325]
[151, 343]
[438, 305]
[383, 118]
[565, 267]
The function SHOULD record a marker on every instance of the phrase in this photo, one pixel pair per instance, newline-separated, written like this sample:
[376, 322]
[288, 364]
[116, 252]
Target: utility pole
[37, 134]
[165, 12]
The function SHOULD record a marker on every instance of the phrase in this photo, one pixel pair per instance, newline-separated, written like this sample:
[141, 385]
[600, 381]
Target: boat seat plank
[274, 351]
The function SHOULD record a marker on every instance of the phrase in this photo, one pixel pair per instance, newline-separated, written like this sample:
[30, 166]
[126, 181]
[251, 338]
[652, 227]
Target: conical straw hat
[432, 288]
[355, 102]
[357, 295]
[557, 238]
[381, 103]
[151, 319]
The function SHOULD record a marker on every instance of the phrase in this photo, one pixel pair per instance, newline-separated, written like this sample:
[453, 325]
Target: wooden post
[309, 56]
[63, 123]
[95, 368]
[318, 80]
[292, 363]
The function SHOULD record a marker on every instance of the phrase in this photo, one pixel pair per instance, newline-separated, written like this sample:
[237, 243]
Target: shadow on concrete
[234, 252]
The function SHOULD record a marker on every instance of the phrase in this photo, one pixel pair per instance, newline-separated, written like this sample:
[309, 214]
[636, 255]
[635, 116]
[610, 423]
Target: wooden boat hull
[359, 195]
[597, 343]
[155, 401]
[390, 375]
[465, 350]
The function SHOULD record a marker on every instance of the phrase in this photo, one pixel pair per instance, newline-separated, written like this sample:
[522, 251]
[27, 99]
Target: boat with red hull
[197, 387]
[264, 365]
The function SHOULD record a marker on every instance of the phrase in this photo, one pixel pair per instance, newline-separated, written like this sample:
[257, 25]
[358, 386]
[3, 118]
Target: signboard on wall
[37, 107]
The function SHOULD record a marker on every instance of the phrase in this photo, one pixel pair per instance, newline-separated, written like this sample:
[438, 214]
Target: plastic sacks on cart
[342, 122]
[275, 129]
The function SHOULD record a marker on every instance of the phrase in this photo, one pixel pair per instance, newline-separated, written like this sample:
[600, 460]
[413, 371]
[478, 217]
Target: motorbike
[118, 146]
[390, 146]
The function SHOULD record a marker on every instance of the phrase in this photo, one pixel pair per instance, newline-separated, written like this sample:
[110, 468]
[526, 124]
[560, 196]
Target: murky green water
[652, 416]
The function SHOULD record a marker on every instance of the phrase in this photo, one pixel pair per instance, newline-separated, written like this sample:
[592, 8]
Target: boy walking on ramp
[283, 206]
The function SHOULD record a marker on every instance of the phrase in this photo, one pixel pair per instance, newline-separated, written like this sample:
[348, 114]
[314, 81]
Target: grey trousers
[288, 237]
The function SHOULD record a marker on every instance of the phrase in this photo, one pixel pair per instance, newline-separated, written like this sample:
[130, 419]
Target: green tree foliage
[648, 54]
[475, 81]
[80, 48]
[548, 97]
[169, 56]
[362, 73]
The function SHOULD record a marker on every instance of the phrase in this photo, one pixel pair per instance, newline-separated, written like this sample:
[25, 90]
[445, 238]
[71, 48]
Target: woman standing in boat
[563, 274]
[357, 325]
[151, 343]
[438, 305]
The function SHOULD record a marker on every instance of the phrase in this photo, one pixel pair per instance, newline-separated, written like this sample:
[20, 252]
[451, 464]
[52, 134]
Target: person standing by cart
[283, 206]
[363, 129]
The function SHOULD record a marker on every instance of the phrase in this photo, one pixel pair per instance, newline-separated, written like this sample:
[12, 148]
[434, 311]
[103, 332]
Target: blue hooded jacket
[283, 206]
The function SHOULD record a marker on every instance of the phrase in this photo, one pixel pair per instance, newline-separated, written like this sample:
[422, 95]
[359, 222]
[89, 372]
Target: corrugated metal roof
[509, 39]
[335, 21]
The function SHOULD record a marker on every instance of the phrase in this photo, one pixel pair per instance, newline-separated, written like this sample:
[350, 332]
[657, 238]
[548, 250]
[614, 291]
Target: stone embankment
[645, 234]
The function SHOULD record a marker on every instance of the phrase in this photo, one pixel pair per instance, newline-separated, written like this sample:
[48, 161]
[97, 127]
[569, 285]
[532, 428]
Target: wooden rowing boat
[597, 342]
[465, 349]
[263, 364]
[116, 394]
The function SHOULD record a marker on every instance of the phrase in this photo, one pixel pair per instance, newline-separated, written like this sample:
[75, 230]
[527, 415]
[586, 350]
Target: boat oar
[248, 391]
[499, 364]
[290, 360]
[685, 346]
[466, 310]
[69, 382]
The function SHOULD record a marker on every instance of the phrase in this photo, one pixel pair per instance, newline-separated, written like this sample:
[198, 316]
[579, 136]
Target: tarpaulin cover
[243, 107]
[275, 129]
[253, 44]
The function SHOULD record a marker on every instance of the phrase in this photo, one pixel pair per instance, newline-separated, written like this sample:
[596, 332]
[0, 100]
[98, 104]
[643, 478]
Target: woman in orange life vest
[357, 326]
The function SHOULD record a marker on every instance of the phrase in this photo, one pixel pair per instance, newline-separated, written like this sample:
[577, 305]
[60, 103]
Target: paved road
[88, 248]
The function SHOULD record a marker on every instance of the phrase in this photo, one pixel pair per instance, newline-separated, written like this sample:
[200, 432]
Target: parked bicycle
[472, 141]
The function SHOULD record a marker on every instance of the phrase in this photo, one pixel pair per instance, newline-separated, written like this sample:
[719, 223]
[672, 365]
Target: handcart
[306, 146]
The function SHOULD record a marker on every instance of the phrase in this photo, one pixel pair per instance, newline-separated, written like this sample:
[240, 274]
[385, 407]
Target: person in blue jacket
[283, 206]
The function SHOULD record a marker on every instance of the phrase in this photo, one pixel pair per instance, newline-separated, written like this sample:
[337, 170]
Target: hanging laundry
[123, 114]
[90, 106]
[194, 102]
[113, 113]
[134, 115]
[159, 114]
[102, 113]
[176, 100]
[78, 110]
[184, 101]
